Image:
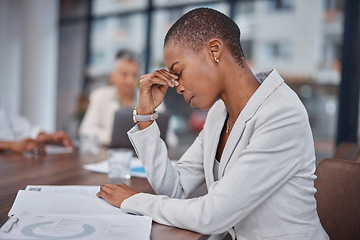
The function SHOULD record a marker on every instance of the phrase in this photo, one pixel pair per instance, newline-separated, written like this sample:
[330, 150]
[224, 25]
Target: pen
[8, 223]
[4, 221]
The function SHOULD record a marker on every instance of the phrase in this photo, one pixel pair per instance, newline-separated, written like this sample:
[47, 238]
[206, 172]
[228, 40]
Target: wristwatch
[144, 118]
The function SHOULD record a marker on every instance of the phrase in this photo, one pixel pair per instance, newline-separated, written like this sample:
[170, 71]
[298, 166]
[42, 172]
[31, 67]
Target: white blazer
[266, 174]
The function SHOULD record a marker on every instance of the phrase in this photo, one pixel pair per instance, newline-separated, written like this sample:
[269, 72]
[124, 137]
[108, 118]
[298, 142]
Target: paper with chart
[121, 227]
[71, 212]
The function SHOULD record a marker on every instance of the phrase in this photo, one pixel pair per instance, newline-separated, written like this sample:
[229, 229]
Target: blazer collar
[270, 81]
[211, 142]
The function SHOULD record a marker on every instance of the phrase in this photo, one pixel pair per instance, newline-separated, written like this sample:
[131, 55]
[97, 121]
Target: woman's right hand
[153, 87]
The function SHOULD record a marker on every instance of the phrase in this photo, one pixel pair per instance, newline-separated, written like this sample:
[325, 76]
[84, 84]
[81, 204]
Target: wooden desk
[17, 171]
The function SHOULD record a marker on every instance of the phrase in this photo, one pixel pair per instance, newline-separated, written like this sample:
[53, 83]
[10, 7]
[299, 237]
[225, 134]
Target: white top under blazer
[266, 174]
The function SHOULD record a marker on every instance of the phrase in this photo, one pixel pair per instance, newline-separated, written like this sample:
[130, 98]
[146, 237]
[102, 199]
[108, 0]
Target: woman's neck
[240, 85]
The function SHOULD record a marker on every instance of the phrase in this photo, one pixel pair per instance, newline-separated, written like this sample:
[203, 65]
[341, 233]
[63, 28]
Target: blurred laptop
[123, 122]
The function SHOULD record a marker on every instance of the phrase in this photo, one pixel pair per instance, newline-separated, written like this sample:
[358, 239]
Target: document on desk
[57, 149]
[137, 169]
[45, 226]
[35, 202]
[71, 212]
[70, 189]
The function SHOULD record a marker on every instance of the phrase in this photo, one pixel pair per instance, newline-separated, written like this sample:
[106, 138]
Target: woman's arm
[274, 155]
[174, 181]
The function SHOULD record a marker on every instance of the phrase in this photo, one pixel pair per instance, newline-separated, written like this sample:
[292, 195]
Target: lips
[190, 101]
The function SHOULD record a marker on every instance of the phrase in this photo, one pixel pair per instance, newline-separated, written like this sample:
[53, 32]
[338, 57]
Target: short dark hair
[198, 26]
[127, 55]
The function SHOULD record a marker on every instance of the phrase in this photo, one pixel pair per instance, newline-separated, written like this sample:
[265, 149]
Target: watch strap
[144, 118]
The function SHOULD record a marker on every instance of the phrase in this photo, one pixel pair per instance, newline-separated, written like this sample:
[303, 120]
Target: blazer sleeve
[166, 179]
[271, 159]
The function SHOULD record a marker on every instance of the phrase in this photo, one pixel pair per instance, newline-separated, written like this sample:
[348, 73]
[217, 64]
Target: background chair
[348, 151]
[338, 198]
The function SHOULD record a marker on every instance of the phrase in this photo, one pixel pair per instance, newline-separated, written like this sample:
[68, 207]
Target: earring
[217, 60]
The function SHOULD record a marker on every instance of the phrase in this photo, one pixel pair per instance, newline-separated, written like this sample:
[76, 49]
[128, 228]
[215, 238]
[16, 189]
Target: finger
[103, 194]
[157, 77]
[154, 80]
[172, 77]
[106, 189]
[108, 185]
[169, 74]
[166, 76]
[67, 142]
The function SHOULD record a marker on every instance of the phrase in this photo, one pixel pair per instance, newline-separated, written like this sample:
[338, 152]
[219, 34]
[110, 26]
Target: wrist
[145, 111]
[144, 117]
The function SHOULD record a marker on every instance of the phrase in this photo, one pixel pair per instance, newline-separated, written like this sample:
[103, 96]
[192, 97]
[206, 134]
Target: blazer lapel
[273, 81]
[211, 141]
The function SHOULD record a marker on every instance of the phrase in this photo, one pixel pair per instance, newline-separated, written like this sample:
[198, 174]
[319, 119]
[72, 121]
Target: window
[277, 51]
[304, 45]
[111, 34]
[105, 7]
[280, 5]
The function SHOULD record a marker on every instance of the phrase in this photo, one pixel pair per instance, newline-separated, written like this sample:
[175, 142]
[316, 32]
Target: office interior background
[55, 52]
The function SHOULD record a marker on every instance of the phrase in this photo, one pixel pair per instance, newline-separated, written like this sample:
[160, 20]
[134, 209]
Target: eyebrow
[171, 68]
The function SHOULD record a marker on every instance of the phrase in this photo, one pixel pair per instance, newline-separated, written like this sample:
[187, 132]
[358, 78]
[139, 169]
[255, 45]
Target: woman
[255, 152]
[121, 94]
[104, 101]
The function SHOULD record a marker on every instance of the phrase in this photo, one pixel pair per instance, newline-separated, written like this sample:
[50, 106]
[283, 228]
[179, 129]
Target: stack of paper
[70, 212]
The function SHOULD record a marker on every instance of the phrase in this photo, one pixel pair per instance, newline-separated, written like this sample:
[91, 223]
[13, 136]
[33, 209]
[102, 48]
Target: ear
[215, 48]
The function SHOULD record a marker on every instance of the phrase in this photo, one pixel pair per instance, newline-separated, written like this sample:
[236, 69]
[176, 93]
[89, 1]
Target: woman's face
[125, 75]
[199, 79]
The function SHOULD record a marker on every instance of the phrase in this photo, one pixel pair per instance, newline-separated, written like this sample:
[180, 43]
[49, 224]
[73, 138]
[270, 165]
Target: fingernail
[175, 76]
[176, 83]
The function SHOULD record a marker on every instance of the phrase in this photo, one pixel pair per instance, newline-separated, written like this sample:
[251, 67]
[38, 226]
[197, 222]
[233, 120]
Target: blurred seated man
[120, 94]
[18, 136]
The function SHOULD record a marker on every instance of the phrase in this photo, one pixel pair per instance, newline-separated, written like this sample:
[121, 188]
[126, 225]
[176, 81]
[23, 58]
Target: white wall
[10, 48]
[28, 59]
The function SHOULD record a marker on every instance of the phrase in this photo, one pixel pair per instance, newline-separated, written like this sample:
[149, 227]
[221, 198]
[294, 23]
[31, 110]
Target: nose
[180, 89]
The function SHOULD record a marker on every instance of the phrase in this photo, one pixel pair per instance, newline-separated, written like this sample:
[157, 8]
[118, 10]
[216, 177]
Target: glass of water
[119, 164]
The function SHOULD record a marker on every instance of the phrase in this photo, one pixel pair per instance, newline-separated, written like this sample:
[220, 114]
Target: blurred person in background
[17, 135]
[122, 93]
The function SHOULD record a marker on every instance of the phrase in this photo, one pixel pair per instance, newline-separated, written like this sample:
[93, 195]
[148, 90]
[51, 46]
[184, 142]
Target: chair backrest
[338, 198]
[348, 151]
